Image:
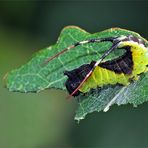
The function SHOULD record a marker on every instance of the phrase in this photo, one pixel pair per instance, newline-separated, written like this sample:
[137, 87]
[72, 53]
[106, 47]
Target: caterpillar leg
[136, 78]
[126, 84]
[122, 79]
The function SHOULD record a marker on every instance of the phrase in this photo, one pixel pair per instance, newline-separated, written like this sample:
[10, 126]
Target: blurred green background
[45, 120]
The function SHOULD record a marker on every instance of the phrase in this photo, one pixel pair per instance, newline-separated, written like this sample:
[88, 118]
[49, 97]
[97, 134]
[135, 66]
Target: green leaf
[34, 76]
[136, 93]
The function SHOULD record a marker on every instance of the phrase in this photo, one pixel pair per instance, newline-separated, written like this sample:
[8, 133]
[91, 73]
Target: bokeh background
[45, 120]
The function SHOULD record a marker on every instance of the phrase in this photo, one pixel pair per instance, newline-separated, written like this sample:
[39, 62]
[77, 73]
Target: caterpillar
[120, 70]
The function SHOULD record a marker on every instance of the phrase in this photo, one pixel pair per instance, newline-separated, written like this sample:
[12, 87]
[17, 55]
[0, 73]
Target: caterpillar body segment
[107, 77]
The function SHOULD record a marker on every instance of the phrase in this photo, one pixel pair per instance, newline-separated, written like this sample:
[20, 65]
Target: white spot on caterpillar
[83, 42]
[121, 38]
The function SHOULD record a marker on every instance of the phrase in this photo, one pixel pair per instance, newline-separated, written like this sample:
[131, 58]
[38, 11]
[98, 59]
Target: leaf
[34, 76]
[136, 93]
